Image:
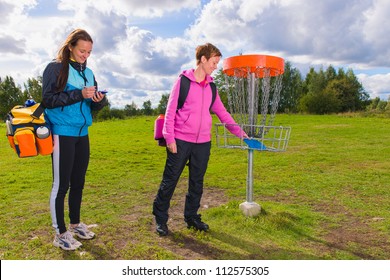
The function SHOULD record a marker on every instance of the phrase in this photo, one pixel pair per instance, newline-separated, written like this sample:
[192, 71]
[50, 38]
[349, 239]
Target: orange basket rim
[252, 63]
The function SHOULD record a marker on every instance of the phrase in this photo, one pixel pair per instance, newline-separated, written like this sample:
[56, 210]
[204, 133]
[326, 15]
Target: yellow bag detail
[23, 123]
[22, 115]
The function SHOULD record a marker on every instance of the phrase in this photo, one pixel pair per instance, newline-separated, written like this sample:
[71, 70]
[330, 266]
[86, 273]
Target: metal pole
[252, 115]
[250, 208]
[249, 180]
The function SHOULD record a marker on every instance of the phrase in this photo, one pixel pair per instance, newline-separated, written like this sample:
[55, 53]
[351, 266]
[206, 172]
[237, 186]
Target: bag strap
[214, 90]
[38, 112]
[185, 88]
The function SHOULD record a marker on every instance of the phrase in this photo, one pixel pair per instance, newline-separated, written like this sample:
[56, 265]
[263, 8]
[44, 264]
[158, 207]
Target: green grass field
[326, 197]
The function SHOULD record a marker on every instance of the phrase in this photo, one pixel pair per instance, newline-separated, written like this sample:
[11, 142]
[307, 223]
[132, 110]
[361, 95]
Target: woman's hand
[172, 147]
[97, 97]
[88, 92]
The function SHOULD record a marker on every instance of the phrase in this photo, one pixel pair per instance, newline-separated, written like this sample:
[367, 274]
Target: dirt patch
[352, 234]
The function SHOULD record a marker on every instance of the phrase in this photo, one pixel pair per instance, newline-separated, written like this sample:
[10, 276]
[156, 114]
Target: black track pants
[70, 160]
[198, 156]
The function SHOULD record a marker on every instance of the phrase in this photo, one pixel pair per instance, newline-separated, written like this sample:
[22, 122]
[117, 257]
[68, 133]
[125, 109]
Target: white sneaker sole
[89, 236]
[58, 245]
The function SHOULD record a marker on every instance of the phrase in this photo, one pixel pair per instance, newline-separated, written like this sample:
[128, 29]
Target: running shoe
[82, 231]
[196, 223]
[66, 241]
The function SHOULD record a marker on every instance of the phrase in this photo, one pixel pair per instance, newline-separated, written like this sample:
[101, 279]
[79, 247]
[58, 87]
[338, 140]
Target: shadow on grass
[89, 250]
[243, 249]
[252, 250]
[289, 226]
[237, 249]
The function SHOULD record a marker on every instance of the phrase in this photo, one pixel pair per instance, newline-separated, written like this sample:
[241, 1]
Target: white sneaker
[82, 231]
[66, 241]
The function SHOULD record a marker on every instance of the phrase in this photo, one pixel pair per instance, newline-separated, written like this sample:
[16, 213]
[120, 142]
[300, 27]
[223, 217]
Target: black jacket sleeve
[96, 106]
[51, 98]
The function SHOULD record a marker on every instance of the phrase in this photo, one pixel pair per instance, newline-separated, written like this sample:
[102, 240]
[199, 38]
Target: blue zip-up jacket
[67, 112]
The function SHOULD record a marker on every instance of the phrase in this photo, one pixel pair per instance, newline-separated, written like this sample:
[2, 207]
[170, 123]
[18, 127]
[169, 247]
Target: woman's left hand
[98, 97]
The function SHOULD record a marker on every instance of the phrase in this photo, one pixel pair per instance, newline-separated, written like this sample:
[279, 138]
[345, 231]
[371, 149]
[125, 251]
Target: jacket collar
[78, 66]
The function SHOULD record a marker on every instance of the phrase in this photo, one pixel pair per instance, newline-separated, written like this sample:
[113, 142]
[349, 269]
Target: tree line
[319, 92]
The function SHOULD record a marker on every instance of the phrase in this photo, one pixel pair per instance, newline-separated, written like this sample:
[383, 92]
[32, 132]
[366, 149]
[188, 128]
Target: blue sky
[140, 47]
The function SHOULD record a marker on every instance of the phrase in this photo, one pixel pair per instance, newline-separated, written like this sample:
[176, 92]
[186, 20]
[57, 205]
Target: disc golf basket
[253, 84]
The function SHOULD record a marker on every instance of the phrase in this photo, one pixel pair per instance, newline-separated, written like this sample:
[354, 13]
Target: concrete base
[250, 209]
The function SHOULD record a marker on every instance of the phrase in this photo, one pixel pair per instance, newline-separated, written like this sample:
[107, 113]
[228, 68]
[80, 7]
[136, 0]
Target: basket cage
[272, 138]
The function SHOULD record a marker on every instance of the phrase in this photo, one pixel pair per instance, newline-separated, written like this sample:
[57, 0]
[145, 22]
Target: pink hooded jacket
[193, 122]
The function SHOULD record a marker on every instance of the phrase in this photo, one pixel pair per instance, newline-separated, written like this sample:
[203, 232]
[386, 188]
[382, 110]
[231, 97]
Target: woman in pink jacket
[187, 132]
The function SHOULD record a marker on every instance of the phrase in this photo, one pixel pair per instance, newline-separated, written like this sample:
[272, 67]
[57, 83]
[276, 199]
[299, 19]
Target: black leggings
[198, 156]
[70, 160]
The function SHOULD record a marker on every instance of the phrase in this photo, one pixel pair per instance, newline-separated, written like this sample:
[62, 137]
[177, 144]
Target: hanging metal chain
[277, 88]
[245, 90]
[265, 92]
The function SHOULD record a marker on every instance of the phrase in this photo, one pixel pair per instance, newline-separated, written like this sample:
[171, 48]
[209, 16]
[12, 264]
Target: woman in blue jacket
[69, 94]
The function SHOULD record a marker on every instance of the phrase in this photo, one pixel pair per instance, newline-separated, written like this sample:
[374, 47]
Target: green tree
[33, 89]
[359, 97]
[320, 103]
[103, 114]
[382, 106]
[374, 103]
[387, 108]
[348, 90]
[131, 110]
[147, 108]
[220, 82]
[162, 105]
[117, 114]
[316, 82]
[318, 100]
[330, 73]
[292, 89]
[328, 92]
[10, 96]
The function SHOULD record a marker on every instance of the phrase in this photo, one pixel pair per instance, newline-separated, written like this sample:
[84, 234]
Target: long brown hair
[63, 55]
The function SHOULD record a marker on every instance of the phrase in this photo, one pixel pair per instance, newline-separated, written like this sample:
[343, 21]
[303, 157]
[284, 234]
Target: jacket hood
[190, 75]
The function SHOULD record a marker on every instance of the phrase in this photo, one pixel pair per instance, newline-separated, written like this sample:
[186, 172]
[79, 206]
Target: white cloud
[5, 12]
[9, 44]
[250, 10]
[376, 32]
[144, 9]
[141, 66]
[376, 85]
[327, 30]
